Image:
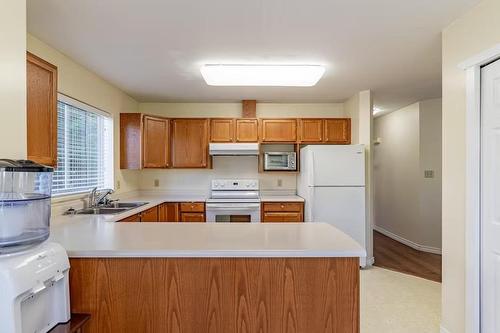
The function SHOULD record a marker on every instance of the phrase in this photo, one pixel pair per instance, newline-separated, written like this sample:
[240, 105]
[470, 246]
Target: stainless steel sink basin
[101, 211]
[128, 205]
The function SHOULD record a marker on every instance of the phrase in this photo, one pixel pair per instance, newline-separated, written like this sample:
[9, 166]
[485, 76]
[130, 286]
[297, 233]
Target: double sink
[114, 208]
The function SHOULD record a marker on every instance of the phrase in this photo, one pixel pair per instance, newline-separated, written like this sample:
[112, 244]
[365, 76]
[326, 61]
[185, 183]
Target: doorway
[490, 198]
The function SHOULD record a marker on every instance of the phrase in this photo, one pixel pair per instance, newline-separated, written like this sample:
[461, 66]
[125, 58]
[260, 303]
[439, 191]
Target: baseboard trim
[407, 242]
[443, 330]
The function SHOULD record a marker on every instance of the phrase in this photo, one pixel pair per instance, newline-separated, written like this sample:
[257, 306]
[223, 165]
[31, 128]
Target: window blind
[84, 149]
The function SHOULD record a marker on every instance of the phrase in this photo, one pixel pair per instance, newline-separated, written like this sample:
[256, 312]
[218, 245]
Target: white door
[490, 198]
[338, 165]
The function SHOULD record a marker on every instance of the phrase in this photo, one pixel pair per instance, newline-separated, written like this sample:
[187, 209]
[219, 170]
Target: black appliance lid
[23, 166]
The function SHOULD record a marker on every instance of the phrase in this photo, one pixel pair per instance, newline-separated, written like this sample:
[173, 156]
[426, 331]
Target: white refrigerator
[332, 182]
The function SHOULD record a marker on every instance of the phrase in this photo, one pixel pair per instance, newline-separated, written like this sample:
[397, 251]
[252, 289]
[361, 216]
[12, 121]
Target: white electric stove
[234, 200]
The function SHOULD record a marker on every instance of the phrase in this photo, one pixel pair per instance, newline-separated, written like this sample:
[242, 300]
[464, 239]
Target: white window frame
[472, 67]
[89, 108]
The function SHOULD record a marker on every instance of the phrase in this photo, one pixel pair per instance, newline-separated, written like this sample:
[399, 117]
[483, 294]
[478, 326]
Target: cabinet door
[192, 217]
[338, 130]
[279, 130]
[189, 143]
[311, 130]
[41, 110]
[282, 217]
[133, 218]
[155, 142]
[247, 130]
[221, 130]
[169, 212]
[150, 215]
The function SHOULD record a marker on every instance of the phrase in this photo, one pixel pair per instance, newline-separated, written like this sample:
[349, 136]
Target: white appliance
[233, 200]
[332, 182]
[233, 149]
[275, 161]
[35, 289]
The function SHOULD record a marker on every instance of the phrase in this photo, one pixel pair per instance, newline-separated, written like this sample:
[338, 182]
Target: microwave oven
[286, 161]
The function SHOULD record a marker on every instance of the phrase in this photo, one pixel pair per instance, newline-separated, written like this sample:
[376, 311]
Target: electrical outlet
[280, 182]
[118, 184]
[429, 174]
[157, 182]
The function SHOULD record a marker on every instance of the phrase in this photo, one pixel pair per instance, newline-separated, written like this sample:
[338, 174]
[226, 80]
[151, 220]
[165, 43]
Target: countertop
[87, 239]
[281, 198]
[87, 236]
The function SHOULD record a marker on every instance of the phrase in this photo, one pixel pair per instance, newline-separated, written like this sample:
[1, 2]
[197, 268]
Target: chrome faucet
[99, 198]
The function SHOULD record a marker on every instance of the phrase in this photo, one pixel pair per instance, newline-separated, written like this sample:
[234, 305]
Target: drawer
[282, 217]
[192, 207]
[192, 217]
[283, 206]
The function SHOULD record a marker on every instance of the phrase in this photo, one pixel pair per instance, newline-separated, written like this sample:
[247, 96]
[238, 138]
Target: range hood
[234, 149]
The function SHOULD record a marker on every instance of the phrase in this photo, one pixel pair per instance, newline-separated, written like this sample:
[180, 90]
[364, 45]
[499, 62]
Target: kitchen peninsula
[211, 277]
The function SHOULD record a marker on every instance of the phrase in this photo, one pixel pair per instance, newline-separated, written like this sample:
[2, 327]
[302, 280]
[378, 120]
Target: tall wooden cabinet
[41, 110]
[189, 143]
[155, 142]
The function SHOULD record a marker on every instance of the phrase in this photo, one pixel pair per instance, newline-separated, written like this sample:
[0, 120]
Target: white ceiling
[153, 49]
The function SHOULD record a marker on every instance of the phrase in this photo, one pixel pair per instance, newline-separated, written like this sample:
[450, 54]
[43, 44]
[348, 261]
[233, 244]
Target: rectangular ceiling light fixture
[262, 75]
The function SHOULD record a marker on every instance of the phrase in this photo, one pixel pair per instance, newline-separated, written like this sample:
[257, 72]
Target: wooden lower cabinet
[169, 212]
[282, 212]
[133, 218]
[150, 215]
[266, 295]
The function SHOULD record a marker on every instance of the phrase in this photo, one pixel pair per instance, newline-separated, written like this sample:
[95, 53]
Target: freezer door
[336, 165]
[343, 207]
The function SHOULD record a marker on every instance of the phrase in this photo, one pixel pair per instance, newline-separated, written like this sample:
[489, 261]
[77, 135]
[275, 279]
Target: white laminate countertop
[89, 238]
[281, 198]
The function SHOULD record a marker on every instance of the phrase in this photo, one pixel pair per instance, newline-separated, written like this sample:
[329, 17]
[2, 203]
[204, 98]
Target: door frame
[472, 68]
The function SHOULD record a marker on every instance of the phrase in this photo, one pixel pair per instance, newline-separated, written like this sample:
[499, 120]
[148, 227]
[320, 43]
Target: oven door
[233, 212]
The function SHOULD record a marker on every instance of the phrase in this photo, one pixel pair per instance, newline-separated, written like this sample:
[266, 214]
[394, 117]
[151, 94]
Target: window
[84, 148]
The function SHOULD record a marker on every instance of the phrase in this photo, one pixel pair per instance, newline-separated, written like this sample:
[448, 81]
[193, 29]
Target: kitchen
[165, 201]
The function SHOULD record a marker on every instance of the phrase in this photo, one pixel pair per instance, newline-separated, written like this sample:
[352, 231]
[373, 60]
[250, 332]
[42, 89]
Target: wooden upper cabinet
[130, 141]
[337, 131]
[247, 130]
[311, 130]
[155, 142]
[279, 130]
[189, 143]
[41, 110]
[221, 130]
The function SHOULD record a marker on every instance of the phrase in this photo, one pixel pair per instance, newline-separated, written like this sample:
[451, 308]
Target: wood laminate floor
[396, 256]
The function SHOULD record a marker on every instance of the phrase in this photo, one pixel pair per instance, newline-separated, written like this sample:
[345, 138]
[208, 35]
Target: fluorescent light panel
[262, 75]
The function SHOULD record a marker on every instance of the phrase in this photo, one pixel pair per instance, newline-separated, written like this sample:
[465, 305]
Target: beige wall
[78, 82]
[13, 79]
[430, 159]
[227, 167]
[396, 172]
[474, 32]
[407, 204]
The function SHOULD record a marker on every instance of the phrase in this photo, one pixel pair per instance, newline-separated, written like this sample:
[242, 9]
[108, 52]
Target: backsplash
[223, 167]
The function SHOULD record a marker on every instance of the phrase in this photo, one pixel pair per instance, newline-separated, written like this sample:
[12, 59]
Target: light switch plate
[429, 174]
[157, 182]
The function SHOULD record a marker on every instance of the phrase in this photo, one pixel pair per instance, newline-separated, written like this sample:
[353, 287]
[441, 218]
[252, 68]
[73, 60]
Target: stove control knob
[222, 185]
[248, 184]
